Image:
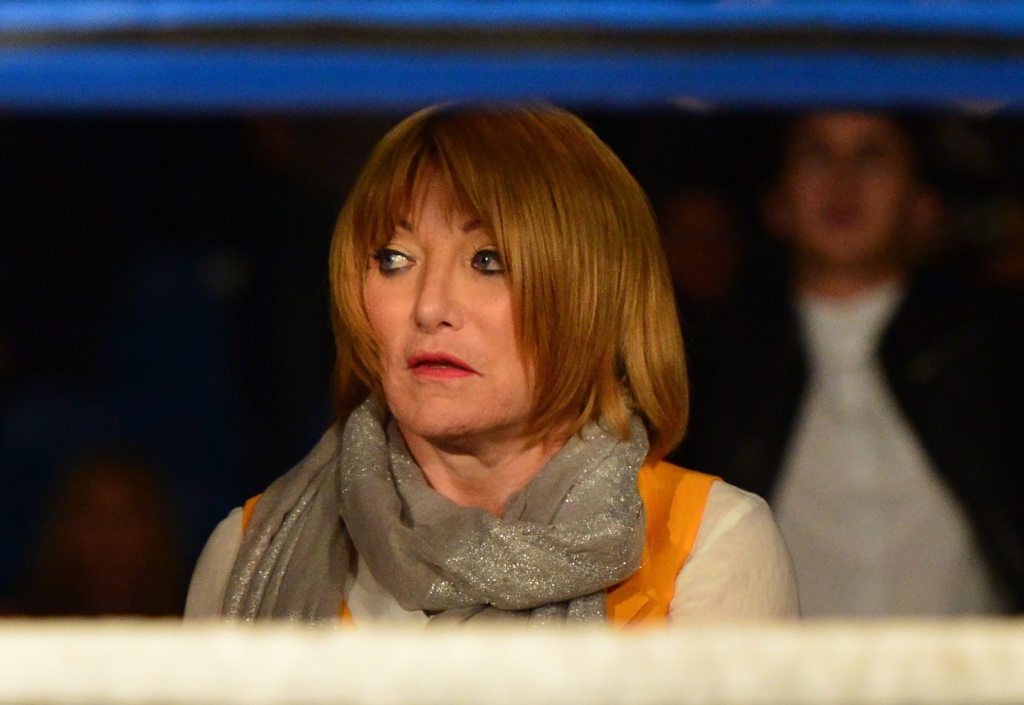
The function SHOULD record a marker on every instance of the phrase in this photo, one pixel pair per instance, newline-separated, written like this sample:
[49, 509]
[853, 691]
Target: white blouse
[739, 568]
[873, 529]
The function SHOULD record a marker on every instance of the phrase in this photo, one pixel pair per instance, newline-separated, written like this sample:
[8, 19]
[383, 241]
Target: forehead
[850, 131]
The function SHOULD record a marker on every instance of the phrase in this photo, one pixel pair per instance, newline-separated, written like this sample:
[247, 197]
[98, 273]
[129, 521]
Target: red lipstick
[437, 365]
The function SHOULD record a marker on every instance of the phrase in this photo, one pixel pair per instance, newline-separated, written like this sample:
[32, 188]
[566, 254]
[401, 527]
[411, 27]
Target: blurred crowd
[850, 287]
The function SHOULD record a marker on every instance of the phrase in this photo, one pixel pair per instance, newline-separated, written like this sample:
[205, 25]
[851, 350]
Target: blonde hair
[594, 310]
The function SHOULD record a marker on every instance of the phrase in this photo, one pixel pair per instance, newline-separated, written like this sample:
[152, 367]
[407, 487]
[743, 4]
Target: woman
[509, 374]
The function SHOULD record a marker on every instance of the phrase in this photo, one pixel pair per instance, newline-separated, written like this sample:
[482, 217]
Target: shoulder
[739, 567]
[674, 497]
[729, 508]
[666, 479]
[714, 505]
[265, 511]
[210, 577]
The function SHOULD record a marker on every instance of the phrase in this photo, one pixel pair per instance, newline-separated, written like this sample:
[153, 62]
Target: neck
[483, 475]
[842, 285]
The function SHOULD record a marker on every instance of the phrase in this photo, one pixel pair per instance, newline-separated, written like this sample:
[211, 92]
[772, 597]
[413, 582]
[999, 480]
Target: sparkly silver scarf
[576, 529]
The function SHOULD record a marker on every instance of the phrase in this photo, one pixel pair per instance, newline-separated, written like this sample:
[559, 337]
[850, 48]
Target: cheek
[885, 202]
[801, 194]
[501, 326]
[384, 314]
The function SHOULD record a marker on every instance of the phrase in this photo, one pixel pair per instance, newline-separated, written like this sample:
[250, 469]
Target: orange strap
[247, 510]
[346, 615]
[674, 500]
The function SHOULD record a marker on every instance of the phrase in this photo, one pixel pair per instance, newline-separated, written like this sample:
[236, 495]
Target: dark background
[163, 288]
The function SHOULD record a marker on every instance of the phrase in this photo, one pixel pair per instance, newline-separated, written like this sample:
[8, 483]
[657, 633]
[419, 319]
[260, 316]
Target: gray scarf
[576, 529]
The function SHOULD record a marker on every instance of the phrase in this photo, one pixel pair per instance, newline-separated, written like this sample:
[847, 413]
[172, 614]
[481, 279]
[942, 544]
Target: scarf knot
[574, 530]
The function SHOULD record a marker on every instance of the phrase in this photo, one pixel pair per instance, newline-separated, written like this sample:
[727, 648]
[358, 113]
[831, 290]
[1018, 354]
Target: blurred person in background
[700, 228]
[1001, 263]
[876, 401]
[109, 544]
[703, 233]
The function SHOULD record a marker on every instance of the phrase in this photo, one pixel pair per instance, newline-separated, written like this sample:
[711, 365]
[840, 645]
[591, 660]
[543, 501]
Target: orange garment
[674, 500]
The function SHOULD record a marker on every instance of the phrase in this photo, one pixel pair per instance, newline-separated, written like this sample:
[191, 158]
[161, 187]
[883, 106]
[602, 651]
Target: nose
[438, 302]
[846, 172]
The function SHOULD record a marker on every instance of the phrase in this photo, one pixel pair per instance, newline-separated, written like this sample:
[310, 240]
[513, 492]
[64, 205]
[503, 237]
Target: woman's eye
[389, 260]
[488, 262]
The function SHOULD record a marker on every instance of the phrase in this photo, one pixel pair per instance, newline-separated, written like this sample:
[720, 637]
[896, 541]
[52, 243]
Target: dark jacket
[953, 356]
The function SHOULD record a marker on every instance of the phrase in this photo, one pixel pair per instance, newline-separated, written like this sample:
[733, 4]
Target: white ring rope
[872, 663]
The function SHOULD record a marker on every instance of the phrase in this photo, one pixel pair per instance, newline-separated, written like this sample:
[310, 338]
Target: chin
[441, 429]
[441, 424]
[434, 416]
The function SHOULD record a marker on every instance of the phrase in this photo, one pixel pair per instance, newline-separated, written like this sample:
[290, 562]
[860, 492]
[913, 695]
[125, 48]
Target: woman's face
[438, 301]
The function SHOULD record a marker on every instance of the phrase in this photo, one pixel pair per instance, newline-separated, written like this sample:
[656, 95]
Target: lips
[439, 366]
